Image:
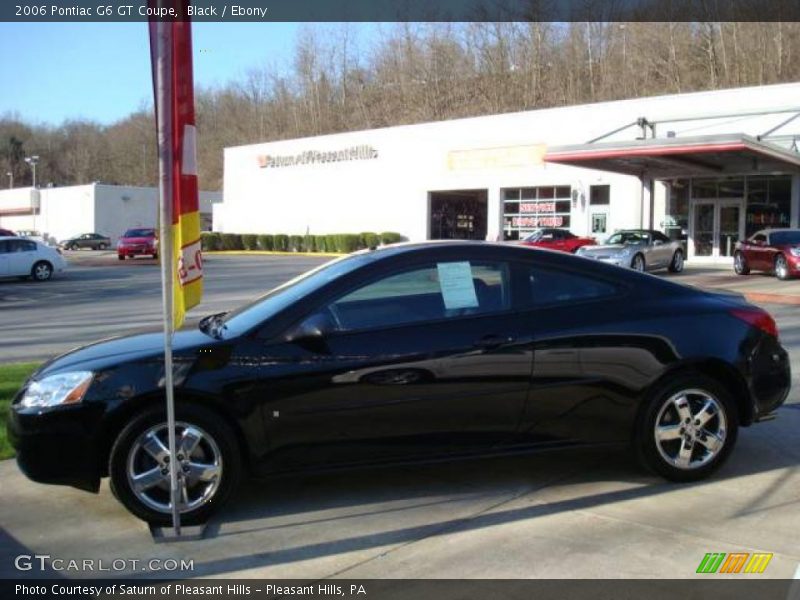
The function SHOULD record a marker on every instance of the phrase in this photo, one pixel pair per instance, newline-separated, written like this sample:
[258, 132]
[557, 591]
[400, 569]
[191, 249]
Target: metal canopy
[669, 158]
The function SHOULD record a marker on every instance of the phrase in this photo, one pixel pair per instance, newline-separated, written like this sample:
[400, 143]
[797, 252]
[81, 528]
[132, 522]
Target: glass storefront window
[676, 222]
[769, 201]
[527, 209]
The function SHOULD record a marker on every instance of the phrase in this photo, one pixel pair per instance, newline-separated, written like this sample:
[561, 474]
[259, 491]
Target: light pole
[10, 176]
[32, 160]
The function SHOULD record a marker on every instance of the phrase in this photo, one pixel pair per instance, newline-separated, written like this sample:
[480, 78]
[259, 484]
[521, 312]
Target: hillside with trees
[410, 73]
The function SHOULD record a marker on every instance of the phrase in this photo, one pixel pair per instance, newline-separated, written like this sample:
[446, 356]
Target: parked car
[772, 250]
[32, 235]
[639, 249]
[93, 241]
[556, 239]
[23, 258]
[141, 241]
[7, 233]
[409, 352]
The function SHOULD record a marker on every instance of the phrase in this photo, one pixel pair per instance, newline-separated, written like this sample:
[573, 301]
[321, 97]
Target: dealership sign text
[309, 157]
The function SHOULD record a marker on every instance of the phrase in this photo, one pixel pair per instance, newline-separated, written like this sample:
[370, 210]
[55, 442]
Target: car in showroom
[771, 250]
[639, 249]
[26, 258]
[411, 352]
[556, 239]
[92, 241]
[140, 241]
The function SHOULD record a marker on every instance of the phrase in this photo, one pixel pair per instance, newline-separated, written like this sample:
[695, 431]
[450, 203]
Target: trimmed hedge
[343, 243]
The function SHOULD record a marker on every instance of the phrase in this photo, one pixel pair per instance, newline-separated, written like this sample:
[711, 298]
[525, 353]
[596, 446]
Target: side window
[549, 287]
[658, 236]
[27, 246]
[4, 247]
[436, 291]
[760, 238]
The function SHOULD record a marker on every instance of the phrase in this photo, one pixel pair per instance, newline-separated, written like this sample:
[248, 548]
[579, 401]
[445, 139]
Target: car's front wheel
[101, 246]
[42, 271]
[637, 264]
[782, 268]
[208, 459]
[740, 265]
[688, 429]
[676, 264]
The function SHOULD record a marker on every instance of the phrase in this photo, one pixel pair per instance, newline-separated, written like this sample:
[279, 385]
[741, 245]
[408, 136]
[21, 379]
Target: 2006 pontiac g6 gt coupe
[409, 352]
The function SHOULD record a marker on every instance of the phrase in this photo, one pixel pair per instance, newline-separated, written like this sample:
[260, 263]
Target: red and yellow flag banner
[173, 84]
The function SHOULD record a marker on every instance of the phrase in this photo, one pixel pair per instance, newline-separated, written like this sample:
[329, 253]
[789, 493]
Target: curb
[773, 298]
[265, 253]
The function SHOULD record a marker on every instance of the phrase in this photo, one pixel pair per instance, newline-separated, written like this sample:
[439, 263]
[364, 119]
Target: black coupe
[409, 352]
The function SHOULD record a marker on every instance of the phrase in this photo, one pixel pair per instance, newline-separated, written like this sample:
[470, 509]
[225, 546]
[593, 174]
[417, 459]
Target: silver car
[639, 249]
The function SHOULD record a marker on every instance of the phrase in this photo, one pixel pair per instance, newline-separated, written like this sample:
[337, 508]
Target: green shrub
[309, 243]
[391, 237]
[347, 242]
[319, 244]
[250, 241]
[280, 242]
[232, 241]
[330, 243]
[265, 242]
[295, 243]
[210, 240]
[369, 239]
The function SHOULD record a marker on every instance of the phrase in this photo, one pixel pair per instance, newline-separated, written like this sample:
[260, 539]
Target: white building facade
[708, 167]
[59, 213]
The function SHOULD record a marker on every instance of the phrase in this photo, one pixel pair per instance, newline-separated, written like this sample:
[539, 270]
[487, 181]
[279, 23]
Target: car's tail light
[758, 318]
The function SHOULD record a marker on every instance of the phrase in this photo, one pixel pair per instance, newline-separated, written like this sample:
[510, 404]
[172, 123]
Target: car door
[588, 372]
[423, 361]
[21, 256]
[757, 253]
[4, 258]
[660, 250]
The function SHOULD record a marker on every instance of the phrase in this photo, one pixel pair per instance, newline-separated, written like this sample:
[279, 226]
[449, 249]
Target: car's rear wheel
[207, 454]
[781, 268]
[676, 265]
[101, 246]
[42, 271]
[638, 264]
[121, 256]
[740, 265]
[73, 247]
[688, 429]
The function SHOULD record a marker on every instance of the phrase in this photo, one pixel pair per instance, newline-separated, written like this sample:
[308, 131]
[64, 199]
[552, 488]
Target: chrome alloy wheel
[638, 263]
[42, 271]
[677, 261]
[781, 268]
[690, 429]
[738, 263]
[199, 467]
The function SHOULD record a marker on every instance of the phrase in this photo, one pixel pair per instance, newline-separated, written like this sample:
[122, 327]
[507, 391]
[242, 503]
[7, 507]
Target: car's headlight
[794, 251]
[56, 390]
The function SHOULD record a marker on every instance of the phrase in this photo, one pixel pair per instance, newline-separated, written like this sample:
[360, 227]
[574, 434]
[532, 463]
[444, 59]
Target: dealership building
[59, 213]
[707, 167]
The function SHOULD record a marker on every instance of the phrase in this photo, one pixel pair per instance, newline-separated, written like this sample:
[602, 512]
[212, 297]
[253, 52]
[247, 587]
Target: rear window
[779, 238]
[140, 233]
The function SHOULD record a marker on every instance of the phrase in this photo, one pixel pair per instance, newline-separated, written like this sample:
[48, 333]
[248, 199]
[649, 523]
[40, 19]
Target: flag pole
[164, 117]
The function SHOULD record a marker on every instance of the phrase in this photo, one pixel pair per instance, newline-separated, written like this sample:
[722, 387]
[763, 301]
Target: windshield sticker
[455, 281]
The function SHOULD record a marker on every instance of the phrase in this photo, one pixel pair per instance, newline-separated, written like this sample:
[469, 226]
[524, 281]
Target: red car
[773, 250]
[556, 239]
[138, 242]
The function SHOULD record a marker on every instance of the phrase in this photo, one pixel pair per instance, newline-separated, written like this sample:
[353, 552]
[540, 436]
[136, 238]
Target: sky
[100, 71]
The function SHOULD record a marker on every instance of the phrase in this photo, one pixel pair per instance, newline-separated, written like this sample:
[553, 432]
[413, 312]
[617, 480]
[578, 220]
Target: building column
[494, 215]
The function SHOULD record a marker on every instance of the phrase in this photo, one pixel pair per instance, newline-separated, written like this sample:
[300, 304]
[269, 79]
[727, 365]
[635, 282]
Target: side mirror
[311, 332]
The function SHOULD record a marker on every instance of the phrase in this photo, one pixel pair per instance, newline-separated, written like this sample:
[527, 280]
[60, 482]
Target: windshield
[779, 238]
[134, 233]
[259, 310]
[627, 237]
[535, 236]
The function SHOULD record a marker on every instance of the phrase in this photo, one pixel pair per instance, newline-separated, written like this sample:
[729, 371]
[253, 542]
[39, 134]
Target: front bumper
[793, 262]
[136, 251]
[617, 261]
[56, 447]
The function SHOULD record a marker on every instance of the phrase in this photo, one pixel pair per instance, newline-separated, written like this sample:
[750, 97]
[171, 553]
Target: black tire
[73, 247]
[676, 264]
[204, 420]
[740, 266]
[41, 271]
[782, 268]
[155, 256]
[638, 263]
[658, 407]
[101, 246]
[120, 257]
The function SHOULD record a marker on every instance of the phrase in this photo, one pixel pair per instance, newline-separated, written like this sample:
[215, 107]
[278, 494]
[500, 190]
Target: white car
[21, 257]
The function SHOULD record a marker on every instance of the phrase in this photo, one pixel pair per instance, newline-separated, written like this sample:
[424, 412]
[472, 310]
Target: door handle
[490, 342]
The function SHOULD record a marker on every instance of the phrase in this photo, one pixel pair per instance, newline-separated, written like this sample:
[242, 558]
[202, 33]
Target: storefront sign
[490, 158]
[555, 221]
[537, 207]
[310, 157]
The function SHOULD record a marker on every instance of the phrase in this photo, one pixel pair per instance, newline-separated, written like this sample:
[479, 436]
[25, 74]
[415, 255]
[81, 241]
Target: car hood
[607, 248]
[114, 350]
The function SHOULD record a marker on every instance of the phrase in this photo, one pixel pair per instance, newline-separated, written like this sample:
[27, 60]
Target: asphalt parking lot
[584, 513]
